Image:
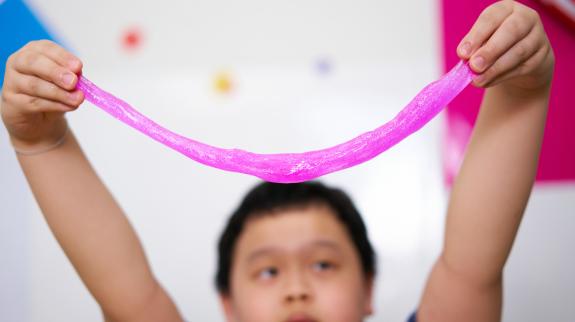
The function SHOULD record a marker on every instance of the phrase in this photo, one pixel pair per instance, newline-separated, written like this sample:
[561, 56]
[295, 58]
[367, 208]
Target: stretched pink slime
[296, 167]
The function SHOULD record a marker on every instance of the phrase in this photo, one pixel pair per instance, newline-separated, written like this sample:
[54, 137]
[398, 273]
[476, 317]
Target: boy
[301, 251]
[509, 50]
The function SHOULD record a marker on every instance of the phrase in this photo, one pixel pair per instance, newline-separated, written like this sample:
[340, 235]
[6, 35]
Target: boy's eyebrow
[271, 249]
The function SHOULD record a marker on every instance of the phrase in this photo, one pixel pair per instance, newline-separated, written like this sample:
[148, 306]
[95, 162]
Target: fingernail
[68, 78]
[74, 97]
[464, 49]
[479, 80]
[478, 63]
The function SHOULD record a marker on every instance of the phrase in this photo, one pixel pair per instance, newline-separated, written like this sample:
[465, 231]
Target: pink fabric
[557, 162]
[296, 167]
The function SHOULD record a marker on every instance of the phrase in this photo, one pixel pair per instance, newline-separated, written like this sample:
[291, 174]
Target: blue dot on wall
[324, 66]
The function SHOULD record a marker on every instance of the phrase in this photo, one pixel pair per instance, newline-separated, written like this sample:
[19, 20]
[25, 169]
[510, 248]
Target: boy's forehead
[292, 229]
[303, 248]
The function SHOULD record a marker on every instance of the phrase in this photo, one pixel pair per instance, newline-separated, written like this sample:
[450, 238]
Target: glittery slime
[296, 167]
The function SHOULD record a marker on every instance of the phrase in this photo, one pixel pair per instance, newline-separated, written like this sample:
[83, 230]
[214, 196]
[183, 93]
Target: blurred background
[278, 76]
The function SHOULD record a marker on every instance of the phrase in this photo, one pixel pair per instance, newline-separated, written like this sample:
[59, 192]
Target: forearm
[508, 49]
[492, 189]
[90, 226]
[39, 89]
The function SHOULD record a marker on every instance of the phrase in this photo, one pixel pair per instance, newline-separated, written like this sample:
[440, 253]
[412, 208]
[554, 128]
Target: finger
[34, 86]
[517, 55]
[489, 20]
[514, 29]
[37, 105]
[61, 56]
[37, 64]
[524, 68]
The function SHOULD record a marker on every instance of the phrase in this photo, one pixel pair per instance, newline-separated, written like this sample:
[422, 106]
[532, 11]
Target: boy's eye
[268, 273]
[323, 266]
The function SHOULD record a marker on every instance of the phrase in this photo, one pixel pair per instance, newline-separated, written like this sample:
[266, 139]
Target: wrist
[48, 143]
[523, 93]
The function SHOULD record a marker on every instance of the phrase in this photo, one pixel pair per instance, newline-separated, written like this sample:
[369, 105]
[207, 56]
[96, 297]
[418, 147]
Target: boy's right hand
[39, 87]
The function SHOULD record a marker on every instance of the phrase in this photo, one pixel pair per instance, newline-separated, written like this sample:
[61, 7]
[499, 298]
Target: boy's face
[297, 265]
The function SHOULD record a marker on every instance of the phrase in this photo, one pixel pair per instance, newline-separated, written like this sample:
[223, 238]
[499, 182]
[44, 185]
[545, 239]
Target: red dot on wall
[132, 39]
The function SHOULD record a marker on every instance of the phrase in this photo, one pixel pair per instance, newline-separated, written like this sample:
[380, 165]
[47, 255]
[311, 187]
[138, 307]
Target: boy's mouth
[300, 317]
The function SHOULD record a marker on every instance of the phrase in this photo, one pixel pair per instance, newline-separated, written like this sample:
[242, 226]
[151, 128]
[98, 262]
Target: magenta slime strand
[296, 167]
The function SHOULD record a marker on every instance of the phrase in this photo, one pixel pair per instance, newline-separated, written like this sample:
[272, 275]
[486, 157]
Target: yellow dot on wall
[223, 83]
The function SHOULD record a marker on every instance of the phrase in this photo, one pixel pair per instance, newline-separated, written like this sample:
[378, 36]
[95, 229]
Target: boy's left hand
[507, 45]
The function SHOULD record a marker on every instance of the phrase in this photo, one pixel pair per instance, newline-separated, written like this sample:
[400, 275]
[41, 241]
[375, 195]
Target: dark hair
[266, 197]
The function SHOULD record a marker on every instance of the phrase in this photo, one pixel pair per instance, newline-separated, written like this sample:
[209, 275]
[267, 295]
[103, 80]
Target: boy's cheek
[256, 304]
[343, 301]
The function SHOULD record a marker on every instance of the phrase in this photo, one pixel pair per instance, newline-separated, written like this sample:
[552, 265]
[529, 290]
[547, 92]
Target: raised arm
[509, 49]
[84, 217]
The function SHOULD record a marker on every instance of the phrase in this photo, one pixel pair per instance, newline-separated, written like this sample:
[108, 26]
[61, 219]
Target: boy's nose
[297, 287]
[294, 297]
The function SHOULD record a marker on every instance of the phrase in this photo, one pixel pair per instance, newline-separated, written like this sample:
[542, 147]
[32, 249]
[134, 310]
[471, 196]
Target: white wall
[383, 53]
[14, 229]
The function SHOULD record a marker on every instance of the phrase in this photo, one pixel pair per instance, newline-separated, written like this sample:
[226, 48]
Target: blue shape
[324, 66]
[18, 26]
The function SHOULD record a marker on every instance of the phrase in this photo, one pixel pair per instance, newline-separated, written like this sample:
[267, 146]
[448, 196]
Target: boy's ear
[369, 286]
[226, 303]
